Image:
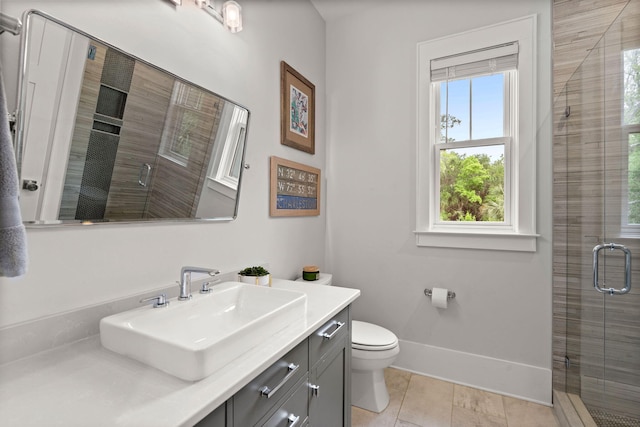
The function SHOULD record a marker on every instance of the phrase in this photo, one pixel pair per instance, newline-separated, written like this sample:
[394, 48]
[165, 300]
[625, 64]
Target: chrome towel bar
[10, 24]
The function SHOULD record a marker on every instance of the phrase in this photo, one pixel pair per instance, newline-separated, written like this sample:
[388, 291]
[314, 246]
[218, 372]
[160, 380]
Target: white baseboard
[499, 376]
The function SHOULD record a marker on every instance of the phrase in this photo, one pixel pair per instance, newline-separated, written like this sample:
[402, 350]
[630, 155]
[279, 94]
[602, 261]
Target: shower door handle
[627, 269]
[145, 168]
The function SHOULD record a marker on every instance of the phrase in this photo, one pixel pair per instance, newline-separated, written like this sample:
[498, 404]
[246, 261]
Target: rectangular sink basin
[193, 339]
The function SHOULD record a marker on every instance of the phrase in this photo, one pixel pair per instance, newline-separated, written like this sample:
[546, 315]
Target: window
[473, 101]
[631, 138]
[224, 172]
[476, 139]
[184, 116]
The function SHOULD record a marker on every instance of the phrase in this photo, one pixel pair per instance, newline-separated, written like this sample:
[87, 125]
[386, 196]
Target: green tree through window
[471, 185]
[631, 111]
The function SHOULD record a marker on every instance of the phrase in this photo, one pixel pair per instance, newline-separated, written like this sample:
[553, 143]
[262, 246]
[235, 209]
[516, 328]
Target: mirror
[103, 136]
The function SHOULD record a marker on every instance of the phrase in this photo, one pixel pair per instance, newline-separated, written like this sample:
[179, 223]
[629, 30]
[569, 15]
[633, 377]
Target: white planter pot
[256, 280]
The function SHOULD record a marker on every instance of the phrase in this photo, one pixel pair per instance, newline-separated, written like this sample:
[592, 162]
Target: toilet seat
[370, 337]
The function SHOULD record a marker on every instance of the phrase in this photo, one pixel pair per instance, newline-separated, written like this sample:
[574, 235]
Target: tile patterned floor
[419, 401]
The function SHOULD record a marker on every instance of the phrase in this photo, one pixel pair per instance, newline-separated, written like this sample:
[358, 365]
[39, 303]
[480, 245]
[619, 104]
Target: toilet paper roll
[439, 297]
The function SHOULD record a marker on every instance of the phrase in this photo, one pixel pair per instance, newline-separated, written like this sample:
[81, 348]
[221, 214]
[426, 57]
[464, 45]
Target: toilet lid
[367, 336]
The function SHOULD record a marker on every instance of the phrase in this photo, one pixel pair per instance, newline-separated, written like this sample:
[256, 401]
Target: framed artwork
[295, 189]
[298, 106]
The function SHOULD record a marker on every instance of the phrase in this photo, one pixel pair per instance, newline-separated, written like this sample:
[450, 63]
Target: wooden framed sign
[298, 105]
[295, 189]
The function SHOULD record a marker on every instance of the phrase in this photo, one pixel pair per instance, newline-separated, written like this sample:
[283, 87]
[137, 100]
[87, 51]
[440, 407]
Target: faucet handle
[206, 288]
[160, 300]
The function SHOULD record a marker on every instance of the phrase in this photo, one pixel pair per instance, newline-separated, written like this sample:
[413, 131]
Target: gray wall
[500, 321]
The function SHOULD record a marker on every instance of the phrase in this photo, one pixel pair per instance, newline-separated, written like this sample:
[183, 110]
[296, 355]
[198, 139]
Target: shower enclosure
[597, 227]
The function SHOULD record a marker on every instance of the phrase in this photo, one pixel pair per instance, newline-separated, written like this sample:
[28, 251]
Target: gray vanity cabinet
[308, 387]
[330, 374]
[217, 418]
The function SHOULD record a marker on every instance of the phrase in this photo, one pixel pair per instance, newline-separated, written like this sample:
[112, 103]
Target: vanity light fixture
[230, 15]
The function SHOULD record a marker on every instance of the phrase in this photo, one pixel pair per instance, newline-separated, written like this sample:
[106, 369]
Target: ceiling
[335, 9]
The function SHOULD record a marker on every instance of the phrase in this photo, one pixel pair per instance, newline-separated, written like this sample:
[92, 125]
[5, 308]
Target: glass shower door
[603, 225]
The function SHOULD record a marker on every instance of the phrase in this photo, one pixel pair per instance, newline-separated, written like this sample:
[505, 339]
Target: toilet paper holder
[450, 295]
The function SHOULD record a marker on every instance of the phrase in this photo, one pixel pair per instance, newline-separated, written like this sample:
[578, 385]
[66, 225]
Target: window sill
[629, 232]
[175, 159]
[221, 187]
[492, 241]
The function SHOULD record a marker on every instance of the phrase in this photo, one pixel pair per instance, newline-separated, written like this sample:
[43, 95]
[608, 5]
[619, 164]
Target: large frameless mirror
[103, 136]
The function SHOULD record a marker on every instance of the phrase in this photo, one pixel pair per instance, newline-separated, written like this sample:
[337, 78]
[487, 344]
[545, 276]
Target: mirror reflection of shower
[108, 137]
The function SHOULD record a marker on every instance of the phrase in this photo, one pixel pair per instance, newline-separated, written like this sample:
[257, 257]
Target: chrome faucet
[185, 279]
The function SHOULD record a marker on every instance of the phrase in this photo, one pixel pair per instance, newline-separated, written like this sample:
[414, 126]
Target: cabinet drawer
[252, 402]
[323, 339]
[293, 412]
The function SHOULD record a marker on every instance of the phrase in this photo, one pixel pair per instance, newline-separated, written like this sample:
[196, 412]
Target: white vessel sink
[193, 339]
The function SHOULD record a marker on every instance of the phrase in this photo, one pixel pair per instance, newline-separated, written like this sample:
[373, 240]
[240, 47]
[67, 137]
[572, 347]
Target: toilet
[373, 348]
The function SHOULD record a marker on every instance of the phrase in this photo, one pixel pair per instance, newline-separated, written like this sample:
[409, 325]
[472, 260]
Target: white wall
[79, 266]
[497, 333]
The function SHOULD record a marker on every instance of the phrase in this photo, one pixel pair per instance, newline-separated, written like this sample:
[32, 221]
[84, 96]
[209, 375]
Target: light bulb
[231, 13]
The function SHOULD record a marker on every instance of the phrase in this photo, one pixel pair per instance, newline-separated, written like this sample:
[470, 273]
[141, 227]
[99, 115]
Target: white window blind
[494, 59]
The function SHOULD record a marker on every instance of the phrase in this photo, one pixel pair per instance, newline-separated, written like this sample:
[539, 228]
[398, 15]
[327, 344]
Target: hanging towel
[13, 236]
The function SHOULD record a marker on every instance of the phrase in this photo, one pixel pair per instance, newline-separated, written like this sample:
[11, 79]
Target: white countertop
[83, 384]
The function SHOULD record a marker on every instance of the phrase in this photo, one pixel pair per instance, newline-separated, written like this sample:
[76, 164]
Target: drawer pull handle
[327, 336]
[266, 391]
[293, 420]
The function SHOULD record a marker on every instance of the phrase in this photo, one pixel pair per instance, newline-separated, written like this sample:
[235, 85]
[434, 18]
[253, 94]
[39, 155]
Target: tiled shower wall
[578, 25]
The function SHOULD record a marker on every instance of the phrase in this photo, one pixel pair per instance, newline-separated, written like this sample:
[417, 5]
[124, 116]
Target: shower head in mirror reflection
[118, 139]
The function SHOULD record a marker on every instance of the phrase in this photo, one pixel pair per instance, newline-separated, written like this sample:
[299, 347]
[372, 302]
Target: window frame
[519, 234]
[627, 230]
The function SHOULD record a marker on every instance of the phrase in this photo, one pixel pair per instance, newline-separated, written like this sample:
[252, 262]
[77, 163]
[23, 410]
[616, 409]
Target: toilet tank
[325, 279]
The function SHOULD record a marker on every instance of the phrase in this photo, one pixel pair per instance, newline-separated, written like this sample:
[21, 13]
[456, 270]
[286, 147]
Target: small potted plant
[255, 275]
